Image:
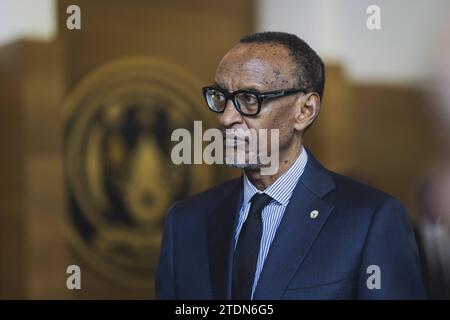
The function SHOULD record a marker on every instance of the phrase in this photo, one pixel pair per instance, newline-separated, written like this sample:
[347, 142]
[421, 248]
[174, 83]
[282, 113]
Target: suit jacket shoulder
[357, 194]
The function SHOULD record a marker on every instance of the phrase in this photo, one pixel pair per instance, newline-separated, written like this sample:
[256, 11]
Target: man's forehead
[256, 61]
[270, 54]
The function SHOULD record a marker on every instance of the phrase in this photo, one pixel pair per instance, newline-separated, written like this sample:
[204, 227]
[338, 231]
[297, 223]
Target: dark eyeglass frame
[261, 96]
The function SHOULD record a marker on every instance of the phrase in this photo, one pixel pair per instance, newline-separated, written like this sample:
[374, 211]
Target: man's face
[261, 67]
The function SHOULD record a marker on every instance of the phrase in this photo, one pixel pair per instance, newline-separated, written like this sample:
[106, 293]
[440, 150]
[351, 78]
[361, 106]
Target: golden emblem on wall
[119, 175]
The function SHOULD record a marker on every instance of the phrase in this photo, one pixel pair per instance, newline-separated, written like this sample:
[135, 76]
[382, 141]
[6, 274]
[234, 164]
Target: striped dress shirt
[280, 191]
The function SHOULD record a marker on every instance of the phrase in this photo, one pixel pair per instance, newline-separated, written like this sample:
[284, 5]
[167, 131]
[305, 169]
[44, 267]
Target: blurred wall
[397, 54]
[28, 19]
[32, 249]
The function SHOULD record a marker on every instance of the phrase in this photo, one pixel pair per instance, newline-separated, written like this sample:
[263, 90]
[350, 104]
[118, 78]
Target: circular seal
[119, 175]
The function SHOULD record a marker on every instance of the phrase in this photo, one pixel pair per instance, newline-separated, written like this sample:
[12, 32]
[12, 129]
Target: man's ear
[308, 109]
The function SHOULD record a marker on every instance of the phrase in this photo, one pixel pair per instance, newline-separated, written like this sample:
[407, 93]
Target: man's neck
[262, 182]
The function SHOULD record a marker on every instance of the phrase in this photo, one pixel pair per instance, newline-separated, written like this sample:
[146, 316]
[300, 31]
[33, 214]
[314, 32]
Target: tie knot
[258, 202]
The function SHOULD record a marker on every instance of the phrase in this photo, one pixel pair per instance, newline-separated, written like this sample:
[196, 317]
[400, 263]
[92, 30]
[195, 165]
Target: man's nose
[230, 115]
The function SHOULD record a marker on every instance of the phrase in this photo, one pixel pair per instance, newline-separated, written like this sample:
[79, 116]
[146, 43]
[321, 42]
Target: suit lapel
[297, 231]
[220, 230]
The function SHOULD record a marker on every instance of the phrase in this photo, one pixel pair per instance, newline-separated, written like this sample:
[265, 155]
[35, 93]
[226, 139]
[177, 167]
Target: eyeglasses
[246, 102]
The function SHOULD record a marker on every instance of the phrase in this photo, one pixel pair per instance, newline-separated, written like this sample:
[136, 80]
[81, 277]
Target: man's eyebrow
[251, 88]
[218, 85]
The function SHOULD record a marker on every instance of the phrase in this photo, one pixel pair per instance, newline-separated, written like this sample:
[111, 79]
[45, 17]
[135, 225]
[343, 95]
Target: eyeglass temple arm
[281, 93]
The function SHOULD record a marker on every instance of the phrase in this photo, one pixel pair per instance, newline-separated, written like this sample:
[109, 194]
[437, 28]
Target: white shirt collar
[281, 190]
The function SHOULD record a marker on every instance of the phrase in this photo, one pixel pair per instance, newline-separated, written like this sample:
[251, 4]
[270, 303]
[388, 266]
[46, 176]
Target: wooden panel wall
[32, 263]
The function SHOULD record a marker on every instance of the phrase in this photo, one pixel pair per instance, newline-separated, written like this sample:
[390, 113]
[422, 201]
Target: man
[302, 233]
[433, 233]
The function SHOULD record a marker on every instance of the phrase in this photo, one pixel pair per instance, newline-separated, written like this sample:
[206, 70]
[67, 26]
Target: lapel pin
[313, 214]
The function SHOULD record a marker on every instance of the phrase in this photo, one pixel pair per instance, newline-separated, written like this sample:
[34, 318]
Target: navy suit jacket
[327, 257]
